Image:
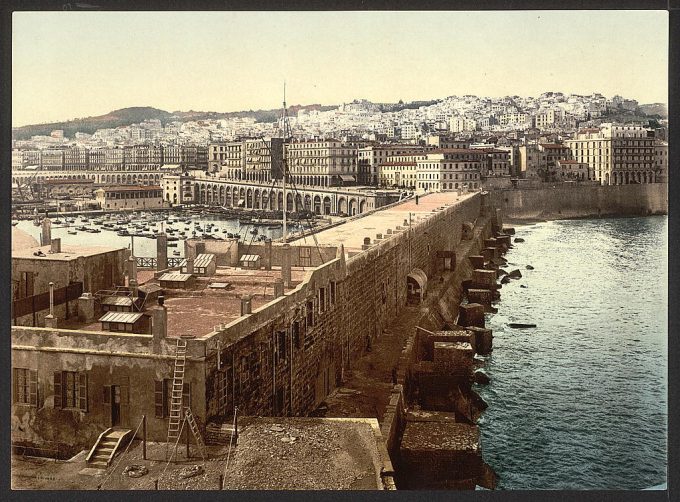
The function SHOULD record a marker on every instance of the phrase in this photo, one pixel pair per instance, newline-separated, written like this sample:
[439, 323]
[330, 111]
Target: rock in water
[519, 239]
[529, 267]
[481, 377]
[515, 274]
[523, 286]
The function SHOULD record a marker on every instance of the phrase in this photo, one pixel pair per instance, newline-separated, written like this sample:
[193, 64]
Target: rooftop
[68, 253]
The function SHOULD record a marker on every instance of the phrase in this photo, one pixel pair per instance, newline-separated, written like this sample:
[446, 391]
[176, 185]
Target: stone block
[483, 339]
[471, 314]
[476, 261]
[484, 279]
[86, 307]
[483, 296]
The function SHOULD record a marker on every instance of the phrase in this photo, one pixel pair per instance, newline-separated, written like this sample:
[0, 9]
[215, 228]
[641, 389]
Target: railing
[151, 262]
[146, 262]
[36, 303]
[174, 261]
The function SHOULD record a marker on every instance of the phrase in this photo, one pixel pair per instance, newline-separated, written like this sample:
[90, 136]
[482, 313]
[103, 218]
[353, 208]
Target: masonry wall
[583, 201]
[129, 361]
[370, 289]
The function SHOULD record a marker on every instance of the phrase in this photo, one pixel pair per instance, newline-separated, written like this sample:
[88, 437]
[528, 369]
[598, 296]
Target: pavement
[352, 232]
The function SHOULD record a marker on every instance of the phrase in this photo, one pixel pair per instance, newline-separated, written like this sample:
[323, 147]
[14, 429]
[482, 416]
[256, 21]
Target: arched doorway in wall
[289, 203]
[416, 286]
[352, 207]
[256, 199]
[308, 202]
[279, 201]
[342, 205]
[299, 206]
[362, 206]
[326, 205]
[317, 204]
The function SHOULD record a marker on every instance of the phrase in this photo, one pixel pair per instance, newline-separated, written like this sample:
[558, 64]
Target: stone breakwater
[582, 201]
[430, 421]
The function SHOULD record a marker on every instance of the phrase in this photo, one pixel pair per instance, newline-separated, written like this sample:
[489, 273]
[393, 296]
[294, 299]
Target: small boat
[93, 230]
[521, 325]
[254, 231]
[72, 232]
[175, 253]
[170, 239]
[172, 245]
[15, 223]
[123, 233]
[57, 222]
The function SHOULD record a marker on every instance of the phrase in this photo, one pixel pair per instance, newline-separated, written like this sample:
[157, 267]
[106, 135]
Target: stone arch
[317, 204]
[362, 206]
[416, 286]
[353, 206]
[308, 202]
[249, 198]
[326, 205]
[299, 205]
[265, 199]
[289, 203]
[256, 199]
[342, 205]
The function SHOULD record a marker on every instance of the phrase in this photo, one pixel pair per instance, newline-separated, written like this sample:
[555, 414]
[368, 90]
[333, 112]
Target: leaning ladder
[176, 394]
[195, 430]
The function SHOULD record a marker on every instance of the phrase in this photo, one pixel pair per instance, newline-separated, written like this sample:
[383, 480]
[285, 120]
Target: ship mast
[286, 135]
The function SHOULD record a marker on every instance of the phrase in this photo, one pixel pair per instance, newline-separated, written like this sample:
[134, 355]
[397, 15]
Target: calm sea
[580, 401]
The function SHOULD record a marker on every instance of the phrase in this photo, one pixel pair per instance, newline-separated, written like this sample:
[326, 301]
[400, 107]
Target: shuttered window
[25, 388]
[158, 399]
[70, 390]
[163, 396]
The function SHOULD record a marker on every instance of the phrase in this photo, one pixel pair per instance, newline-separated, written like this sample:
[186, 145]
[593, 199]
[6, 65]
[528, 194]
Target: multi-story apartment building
[661, 160]
[449, 170]
[446, 142]
[537, 160]
[52, 160]
[495, 162]
[178, 188]
[514, 119]
[263, 159]
[618, 155]
[321, 162]
[548, 118]
[400, 169]
[371, 158]
[76, 159]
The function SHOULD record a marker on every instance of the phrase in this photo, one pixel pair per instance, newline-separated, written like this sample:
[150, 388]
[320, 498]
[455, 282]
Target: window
[281, 346]
[70, 390]
[163, 396]
[310, 314]
[25, 386]
[296, 334]
[331, 293]
[322, 300]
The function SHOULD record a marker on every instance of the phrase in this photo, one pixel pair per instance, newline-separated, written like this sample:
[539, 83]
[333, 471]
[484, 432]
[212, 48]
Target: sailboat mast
[285, 166]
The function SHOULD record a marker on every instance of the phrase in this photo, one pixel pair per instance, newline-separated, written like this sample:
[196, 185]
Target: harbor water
[579, 402]
[193, 224]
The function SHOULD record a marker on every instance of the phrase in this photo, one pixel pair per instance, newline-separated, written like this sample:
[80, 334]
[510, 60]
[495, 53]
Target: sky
[68, 65]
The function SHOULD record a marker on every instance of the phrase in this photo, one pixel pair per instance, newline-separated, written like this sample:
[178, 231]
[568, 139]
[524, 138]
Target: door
[115, 405]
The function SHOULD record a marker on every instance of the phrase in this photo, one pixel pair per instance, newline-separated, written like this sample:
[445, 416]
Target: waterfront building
[129, 197]
[661, 160]
[178, 188]
[76, 159]
[617, 154]
[570, 170]
[400, 168]
[370, 160]
[52, 160]
[451, 169]
[322, 162]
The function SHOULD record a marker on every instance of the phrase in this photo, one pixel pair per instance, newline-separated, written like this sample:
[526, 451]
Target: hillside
[134, 115]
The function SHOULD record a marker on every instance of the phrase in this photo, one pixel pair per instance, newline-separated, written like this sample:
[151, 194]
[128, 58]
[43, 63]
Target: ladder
[176, 394]
[191, 420]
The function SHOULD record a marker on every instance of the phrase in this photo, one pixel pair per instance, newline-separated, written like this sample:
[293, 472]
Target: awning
[347, 177]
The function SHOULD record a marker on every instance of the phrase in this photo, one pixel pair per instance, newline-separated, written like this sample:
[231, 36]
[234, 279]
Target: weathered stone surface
[483, 296]
[471, 314]
[483, 339]
[519, 239]
[481, 377]
[477, 261]
[484, 279]
[529, 267]
[509, 230]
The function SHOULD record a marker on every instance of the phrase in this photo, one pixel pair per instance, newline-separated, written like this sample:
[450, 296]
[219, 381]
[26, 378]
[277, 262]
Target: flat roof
[123, 301]
[67, 252]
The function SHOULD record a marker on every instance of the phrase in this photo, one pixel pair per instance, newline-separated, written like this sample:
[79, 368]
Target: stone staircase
[109, 443]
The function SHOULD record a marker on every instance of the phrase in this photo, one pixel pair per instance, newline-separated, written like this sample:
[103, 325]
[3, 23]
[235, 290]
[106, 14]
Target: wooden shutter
[57, 390]
[15, 385]
[33, 387]
[82, 391]
[107, 395]
[158, 398]
[124, 404]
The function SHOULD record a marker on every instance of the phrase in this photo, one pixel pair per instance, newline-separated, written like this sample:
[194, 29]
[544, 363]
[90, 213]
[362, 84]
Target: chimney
[132, 275]
[46, 232]
[159, 323]
[246, 307]
[190, 265]
[278, 288]
[55, 245]
[161, 252]
[285, 265]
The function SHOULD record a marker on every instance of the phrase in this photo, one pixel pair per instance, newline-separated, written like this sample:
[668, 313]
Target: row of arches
[113, 178]
[632, 177]
[272, 199]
